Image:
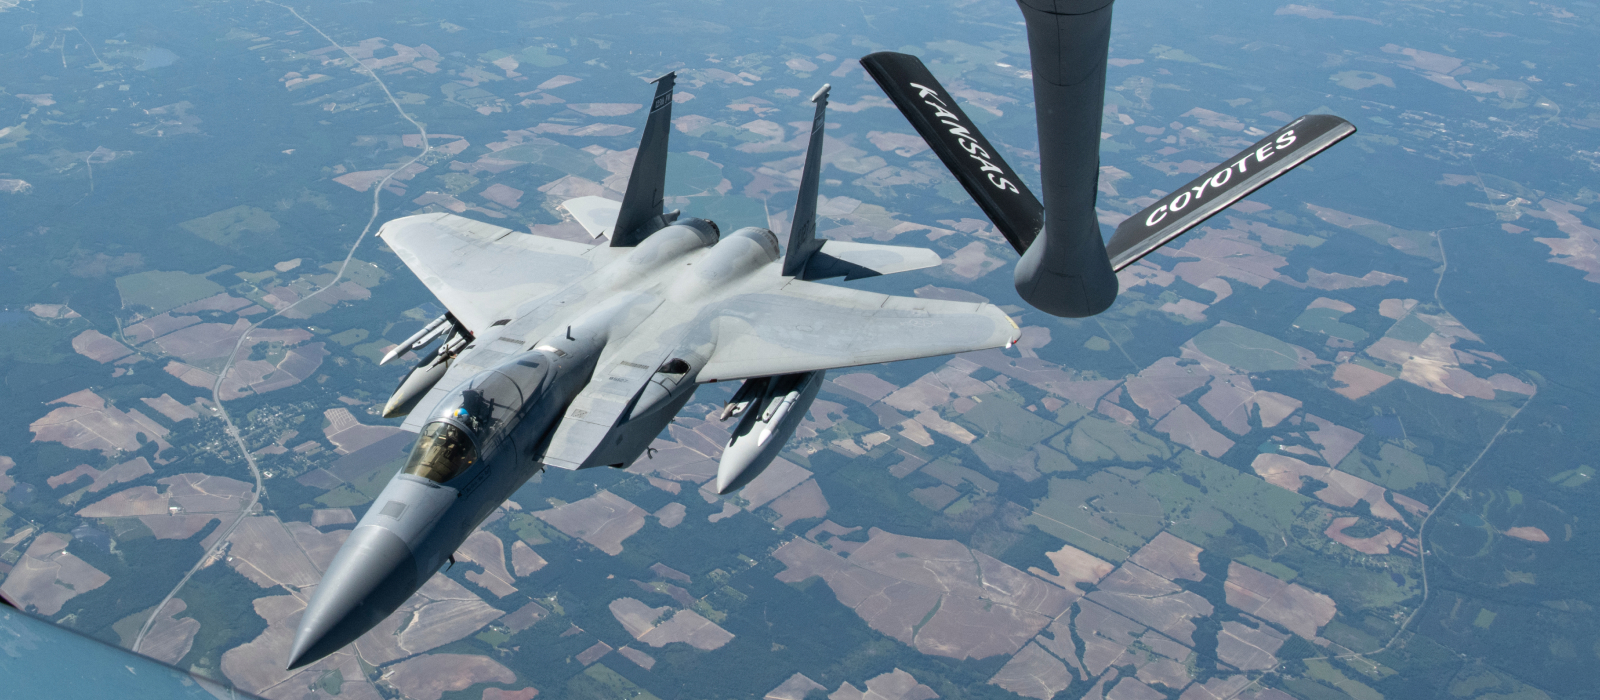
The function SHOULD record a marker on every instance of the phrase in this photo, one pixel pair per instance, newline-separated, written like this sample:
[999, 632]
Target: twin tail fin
[640, 214]
[803, 241]
[812, 258]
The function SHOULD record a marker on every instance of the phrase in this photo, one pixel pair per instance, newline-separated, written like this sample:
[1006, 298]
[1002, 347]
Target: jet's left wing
[804, 326]
[480, 272]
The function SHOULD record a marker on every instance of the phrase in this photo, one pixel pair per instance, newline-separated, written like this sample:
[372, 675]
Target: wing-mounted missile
[772, 409]
[416, 384]
[429, 333]
[427, 373]
[419, 339]
[422, 378]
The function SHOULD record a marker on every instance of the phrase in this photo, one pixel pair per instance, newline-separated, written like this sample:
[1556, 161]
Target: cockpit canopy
[443, 450]
[476, 418]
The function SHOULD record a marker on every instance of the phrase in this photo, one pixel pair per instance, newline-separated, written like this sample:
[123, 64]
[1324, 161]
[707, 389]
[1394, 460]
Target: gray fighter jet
[559, 354]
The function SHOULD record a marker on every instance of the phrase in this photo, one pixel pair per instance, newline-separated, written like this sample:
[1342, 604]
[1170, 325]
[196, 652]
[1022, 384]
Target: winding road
[216, 388]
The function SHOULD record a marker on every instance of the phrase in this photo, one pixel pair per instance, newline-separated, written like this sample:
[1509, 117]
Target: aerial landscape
[1333, 443]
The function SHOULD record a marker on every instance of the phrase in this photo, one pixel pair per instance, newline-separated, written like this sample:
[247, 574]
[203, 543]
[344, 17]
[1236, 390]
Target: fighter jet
[559, 354]
[566, 355]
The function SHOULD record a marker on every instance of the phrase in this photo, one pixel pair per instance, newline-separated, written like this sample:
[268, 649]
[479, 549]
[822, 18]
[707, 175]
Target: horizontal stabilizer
[852, 260]
[975, 163]
[1223, 185]
[596, 214]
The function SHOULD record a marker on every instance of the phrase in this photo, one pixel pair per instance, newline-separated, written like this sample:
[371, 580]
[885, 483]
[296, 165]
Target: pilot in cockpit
[445, 447]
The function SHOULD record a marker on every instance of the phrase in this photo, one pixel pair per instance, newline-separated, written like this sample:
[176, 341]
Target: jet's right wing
[481, 272]
[804, 326]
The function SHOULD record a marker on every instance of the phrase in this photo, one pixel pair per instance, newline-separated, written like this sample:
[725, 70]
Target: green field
[1323, 671]
[349, 337]
[691, 175]
[1327, 321]
[999, 416]
[1247, 350]
[161, 291]
[598, 682]
[1096, 439]
[1109, 514]
[1410, 329]
[1204, 498]
[227, 227]
[1395, 468]
[560, 157]
[359, 271]
[539, 56]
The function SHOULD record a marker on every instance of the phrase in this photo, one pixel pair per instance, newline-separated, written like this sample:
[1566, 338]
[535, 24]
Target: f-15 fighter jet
[559, 354]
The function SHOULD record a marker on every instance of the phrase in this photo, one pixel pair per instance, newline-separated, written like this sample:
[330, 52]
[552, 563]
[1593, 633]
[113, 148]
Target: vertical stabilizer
[640, 214]
[1066, 271]
[803, 239]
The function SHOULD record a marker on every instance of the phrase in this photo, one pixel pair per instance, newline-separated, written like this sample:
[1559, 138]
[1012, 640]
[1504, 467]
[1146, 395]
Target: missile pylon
[772, 408]
[751, 390]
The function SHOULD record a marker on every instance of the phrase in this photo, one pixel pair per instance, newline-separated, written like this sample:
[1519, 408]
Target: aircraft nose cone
[370, 577]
